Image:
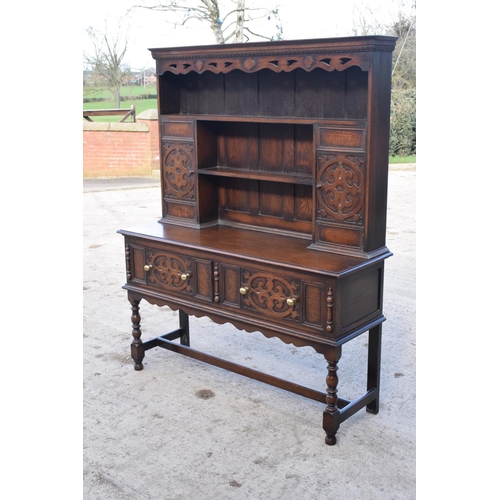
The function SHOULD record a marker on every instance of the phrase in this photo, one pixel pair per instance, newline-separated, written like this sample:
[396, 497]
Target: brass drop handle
[243, 290]
[291, 301]
[148, 267]
[185, 276]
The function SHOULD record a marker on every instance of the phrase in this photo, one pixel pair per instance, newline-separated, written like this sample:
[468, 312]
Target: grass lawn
[403, 159]
[140, 106]
[126, 91]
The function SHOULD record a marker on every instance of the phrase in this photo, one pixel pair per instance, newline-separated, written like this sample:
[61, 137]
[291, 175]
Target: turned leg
[373, 378]
[331, 414]
[136, 348]
[184, 325]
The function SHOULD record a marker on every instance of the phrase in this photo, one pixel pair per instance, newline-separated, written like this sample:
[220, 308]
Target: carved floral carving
[268, 294]
[341, 188]
[167, 270]
[178, 173]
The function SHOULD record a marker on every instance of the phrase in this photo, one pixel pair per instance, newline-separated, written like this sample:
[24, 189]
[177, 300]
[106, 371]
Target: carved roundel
[178, 173]
[340, 188]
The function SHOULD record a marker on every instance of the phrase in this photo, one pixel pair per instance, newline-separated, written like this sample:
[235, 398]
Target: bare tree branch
[235, 21]
[106, 59]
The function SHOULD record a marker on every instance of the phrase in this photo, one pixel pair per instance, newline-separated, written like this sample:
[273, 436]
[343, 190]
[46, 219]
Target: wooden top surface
[367, 43]
[258, 246]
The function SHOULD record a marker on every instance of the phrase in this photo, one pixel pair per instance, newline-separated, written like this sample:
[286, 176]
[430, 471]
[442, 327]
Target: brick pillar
[150, 117]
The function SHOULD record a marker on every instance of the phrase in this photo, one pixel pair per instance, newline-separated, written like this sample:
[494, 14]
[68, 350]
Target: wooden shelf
[268, 119]
[258, 175]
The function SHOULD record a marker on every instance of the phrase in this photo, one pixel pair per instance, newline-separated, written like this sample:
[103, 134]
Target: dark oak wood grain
[274, 199]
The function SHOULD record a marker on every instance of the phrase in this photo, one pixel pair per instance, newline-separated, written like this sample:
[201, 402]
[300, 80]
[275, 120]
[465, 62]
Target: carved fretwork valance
[276, 56]
[251, 64]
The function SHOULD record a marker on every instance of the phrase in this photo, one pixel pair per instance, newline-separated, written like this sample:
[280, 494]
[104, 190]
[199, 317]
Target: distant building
[145, 77]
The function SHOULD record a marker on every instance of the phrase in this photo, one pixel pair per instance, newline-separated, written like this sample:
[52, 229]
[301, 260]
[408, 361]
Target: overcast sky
[321, 18]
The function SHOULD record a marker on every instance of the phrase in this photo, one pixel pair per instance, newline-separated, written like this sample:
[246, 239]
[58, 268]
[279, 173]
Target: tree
[403, 139]
[106, 58]
[404, 72]
[229, 21]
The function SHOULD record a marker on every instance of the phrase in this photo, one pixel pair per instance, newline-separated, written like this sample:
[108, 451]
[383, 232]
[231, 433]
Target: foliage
[404, 71]
[403, 141]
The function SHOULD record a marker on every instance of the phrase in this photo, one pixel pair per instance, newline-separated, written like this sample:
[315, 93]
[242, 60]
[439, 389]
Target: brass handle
[148, 267]
[185, 276]
[243, 290]
[291, 301]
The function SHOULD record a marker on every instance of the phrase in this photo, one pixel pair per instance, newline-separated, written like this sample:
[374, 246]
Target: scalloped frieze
[223, 63]
[252, 326]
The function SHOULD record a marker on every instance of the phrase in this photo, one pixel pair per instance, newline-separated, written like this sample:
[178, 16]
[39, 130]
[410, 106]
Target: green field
[129, 91]
[403, 159]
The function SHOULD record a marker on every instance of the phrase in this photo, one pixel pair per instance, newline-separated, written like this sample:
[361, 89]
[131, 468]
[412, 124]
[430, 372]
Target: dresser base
[337, 410]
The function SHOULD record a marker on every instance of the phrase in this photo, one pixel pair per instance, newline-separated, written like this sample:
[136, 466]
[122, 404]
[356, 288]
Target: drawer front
[170, 272]
[277, 296]
[271, 294]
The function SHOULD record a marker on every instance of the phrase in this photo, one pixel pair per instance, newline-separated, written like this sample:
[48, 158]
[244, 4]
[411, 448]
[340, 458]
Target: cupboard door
[341, 188]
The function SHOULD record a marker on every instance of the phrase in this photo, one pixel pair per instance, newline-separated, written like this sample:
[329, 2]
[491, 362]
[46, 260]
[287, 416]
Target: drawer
[265, 293]
[171, 272]
[271, 294]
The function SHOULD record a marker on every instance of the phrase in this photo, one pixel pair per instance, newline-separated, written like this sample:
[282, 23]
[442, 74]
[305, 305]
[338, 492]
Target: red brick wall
[120, 149]
[150, 117]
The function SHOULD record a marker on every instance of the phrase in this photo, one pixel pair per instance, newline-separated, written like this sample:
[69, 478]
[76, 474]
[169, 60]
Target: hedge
[403, 137]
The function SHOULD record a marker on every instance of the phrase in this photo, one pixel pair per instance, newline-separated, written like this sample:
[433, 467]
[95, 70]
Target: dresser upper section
[283, 56]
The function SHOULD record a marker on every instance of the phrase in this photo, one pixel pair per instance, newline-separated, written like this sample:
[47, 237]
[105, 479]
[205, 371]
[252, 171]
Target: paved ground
[148, 434]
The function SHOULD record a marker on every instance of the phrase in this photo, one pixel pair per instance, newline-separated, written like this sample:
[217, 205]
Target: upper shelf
[266, 119]
[295, 94]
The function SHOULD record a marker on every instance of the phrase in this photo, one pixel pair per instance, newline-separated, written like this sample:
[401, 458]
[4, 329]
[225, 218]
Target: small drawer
[169, 271]
[177, 129]
[272, 295]
[341, 139]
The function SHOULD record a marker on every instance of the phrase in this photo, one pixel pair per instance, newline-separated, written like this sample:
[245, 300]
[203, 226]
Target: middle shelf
[263, 175]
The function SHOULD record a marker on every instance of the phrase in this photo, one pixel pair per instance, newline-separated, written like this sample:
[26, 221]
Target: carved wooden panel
[203, 278]
[135, 260]
[177, 128]
[313, 304]
[341, 188]
[268, 294]
[178, 171]
[229, 285]
[353, 139]
[169, 271]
